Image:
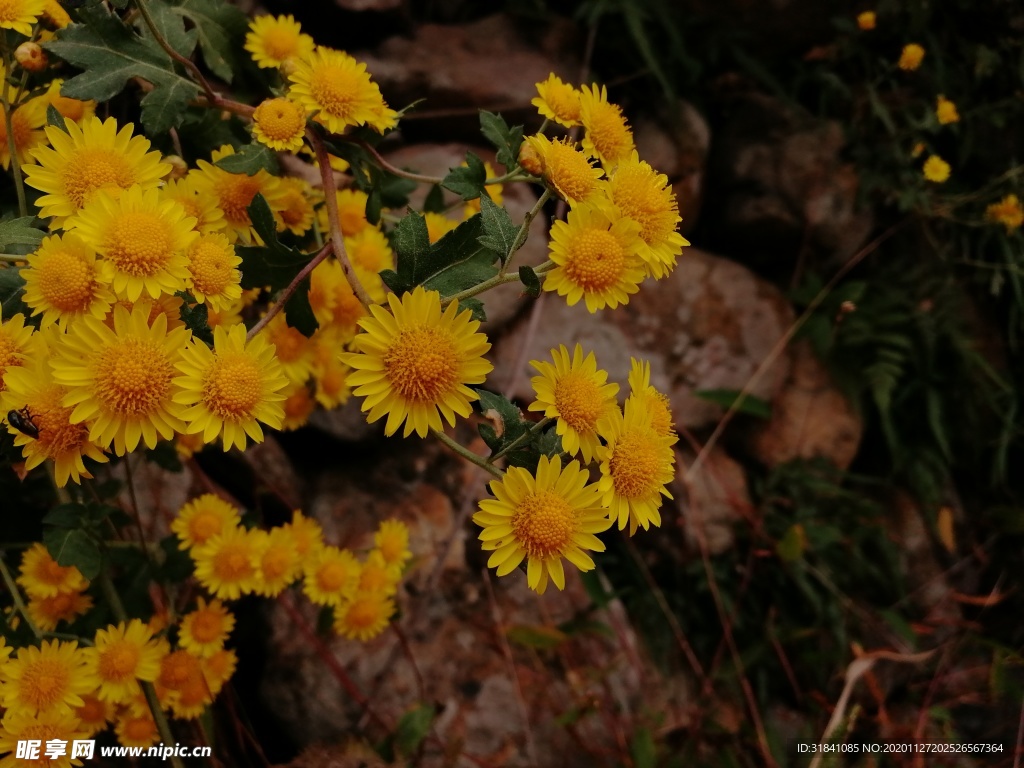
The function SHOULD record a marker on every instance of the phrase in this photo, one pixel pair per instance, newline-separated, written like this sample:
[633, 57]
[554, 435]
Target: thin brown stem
[323, 160]
[289, 290]
[524, 230]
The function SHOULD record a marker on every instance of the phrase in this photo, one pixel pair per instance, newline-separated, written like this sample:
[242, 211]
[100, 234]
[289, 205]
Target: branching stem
[465, 453]
[286, 294]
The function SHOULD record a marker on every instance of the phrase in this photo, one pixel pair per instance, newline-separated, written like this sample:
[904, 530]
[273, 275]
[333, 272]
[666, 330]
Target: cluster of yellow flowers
[232, 561]
[61, 690]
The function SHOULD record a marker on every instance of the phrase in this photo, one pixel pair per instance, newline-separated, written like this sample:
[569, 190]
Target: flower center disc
[92, 169]
[544, 523]
[232, 387]
[596, 260]
[206, 627]
[634, 465]
[280, 43]
[45, 681]
[118, 662]
[422, 364]
[335, 89]
[234, 193]
[578, 401]
[139, 243]
[133, 377]
[210, 267]
[67, 282]
[204, 526]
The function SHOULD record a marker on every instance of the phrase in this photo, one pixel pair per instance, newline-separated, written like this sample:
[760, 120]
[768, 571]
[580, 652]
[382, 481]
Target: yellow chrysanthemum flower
[135, 727]
[181, 674]
[65, 442]
[41, 577]
[370, 251]
[329, 373]
[291, 348]
[596, 256]
[364, 617]
[911, 57]
[47, 679]
[866, 20]
[63, 281]
[274, 40]
[20, 726]
[945, 111]
[200, 205]
[277, 561]
[566, 168]
[203, 518]
[644, 195]
[377, 575]
[15, 339]
[120, 381]
[298, 406]
[542, 519]
[392, 541]
[167, 305]
[339, 307]
[193, 698]
[142, 238]
[27, 122]
[88, 157]
[20, 15]
[1007, 212]
[204, 630]
[351, 212]
[214, 278]
[576, 393]
[122, 655]
[936, 169]
[48, 612]
[606, 135]
[414, 362]
[234, 192]
[331, 576]
[218, 669]
[94, 715]
[306, 535]
[336, 90]
[636, 465]
[226, 563]
[230, 389]
[74, 109]
[651, 400]
[438, 225]
[280, 123]
[295, 212]
[558, 101]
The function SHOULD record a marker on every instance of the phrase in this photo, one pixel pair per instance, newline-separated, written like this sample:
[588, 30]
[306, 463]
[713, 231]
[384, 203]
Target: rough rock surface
[716, 500]
[455, 621]
[458, 69]
[504, 302]
[810, 417]
[781, 184]
[707, 326]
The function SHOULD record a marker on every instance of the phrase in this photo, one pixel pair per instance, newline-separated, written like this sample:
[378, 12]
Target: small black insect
[22, 421]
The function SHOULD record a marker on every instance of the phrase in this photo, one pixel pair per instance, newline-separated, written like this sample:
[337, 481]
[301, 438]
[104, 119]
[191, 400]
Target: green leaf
[467, 181]
[791, 547]
[273, 263]
[171, 26]
[643, 750]
[177, 565]
[220, 26]
[110, 54]
[454, 263]
[195, 317]
[413, 728]
[506, 140]
[68, 515]
[536, 636]
[475, 306]
[531, 283]
[373, 206]
[507, 416]
[18, 237]
[55, 118]
[499, 233]
[250, 160]
[12, 289]
[394, 190]
[165, 456]
[298, 312]
[434, 201]
[74, 547]
[749, 405]
[881, 111]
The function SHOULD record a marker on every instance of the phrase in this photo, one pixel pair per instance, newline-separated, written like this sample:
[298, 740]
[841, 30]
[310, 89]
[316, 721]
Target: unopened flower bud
[530, 160]
[31, 57]
[288, 67]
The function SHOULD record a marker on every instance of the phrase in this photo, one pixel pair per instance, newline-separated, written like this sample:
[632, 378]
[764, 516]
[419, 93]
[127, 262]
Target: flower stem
[286, 294]
[524, 230]
[183, 60]
[19, 604]
[521, 439]
[162, 725]
[493, 282]
[331, 194]
[12, 145]
[465, 453]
